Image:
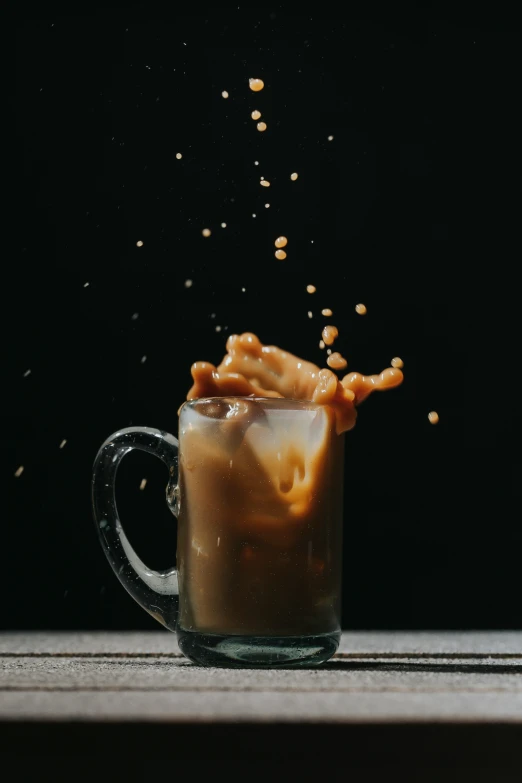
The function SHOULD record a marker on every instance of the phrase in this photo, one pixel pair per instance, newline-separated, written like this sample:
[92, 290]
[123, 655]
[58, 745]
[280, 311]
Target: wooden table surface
[452, 695]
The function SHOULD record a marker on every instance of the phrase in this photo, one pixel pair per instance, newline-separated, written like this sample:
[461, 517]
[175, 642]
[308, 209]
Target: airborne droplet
[256, 84]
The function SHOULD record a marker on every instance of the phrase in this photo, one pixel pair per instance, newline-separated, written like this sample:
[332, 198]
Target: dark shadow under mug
[257, 487]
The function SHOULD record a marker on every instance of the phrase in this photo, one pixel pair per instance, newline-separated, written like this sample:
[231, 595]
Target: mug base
[234, 651]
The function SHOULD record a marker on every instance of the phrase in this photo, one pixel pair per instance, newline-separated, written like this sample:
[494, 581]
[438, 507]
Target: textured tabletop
[374, 678]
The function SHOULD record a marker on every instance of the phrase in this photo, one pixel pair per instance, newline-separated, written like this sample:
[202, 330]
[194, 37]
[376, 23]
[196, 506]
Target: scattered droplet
[326, 312]
[143, 359]
[397, 362]
[330, 138]
[265, 183]
[188, 283]
[139, 243]
[256, 115]
[321, 344]
[261, 126]
[310, 314]
[433, 416]
[256, 163]
[206, 232]
[27, 373]
[254, 214]
[361, 309]
[212, 315]
[143, 483]
[178, 155]
[256, 84]
[62, 444]
[311, 289]
[223, 225]
[294, 176]
[135, 316]
[336, 361]
[19, 471]
[86, 285]
[329, 351]
[281, 242]
[218, 328]
[267, 206]
[280, 254]
[243, 289]
[224, 94]
[329, 334]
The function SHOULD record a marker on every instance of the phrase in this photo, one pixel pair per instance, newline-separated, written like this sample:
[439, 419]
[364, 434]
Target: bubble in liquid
[256, 84]
[311, 289]
[361, 309]
[62, 444]
[224, 94]
[280, 254]
[206, 232]
[433, 417]
[326, 311]
[19, 471]
[188, 283]
[256, 115]
[281, 242]
[178, 155]
[265, 183]
[143, 483]
[261, 126]
[397, 362]
[139, 243]
[294, 176]
[329, 334]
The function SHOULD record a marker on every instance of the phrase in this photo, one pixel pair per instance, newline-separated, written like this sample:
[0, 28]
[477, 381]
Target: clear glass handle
[155, 591]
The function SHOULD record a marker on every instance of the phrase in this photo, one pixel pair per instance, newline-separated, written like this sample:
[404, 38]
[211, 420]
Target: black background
[413, 209]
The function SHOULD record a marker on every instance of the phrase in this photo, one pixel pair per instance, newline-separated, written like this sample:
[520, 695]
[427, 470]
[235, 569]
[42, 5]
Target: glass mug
[258, 497]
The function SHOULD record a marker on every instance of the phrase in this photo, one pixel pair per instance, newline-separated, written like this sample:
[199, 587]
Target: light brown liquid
[336, 361]
[260, 526]
[261, 482]
[330, 334]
